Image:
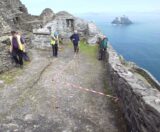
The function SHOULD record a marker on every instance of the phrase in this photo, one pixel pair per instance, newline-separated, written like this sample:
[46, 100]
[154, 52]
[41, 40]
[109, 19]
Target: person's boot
[16, 65]
[21, 66]
[100, 57]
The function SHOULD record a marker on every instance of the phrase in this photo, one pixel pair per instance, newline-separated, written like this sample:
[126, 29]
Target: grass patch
[90, 50]
[9, 76]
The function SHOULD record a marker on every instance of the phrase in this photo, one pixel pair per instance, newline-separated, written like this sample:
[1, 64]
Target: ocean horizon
[139, 42]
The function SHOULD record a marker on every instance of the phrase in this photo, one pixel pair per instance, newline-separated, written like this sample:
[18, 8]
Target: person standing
[25, 55]
[75, 39]
[55, 43]
[16, 48]
[103, 47]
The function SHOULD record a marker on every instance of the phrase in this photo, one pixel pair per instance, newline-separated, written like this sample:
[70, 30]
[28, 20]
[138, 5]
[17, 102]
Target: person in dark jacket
[103, 47]
[25, 55]
[16, 48]
[75, 39]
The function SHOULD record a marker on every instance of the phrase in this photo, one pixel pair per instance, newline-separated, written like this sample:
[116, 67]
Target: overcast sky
[84, 6]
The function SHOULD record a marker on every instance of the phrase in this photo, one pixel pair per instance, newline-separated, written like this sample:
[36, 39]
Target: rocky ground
[46, 97]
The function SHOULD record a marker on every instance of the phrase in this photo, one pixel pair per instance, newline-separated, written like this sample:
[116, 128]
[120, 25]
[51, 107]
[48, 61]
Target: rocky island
[122, 21]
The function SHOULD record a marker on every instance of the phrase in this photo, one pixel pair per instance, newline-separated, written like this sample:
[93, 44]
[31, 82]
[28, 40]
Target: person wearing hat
[103, 47]
[75, 39]
[16, 48]
[55, 43]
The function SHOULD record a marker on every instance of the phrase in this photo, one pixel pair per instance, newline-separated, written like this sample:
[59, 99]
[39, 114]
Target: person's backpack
[105, 43]
[25, 56]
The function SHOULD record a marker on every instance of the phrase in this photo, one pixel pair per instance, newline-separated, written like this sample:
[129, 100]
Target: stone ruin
[14, 15]
[47, 15]
[65, 24]
[139, 95]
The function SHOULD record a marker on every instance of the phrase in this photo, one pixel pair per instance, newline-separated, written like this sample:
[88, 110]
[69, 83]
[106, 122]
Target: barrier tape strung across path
[79, 87]
[92, 91]
[88, 90]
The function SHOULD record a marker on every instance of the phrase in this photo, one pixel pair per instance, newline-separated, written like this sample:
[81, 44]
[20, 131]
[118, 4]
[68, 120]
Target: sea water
[139, 42]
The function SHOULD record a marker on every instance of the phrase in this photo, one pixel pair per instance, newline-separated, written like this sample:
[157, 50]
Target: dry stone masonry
[139, 100]
[5, 59]
[47, 15]
[65, 24]
[14, 15]
[138, 91]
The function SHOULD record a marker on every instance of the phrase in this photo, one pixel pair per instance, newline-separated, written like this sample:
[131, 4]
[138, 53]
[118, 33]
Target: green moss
[9, 77]
[90, 50]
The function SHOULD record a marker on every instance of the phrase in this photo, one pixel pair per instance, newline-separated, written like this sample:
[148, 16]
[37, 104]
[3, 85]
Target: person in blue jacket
[75, 39]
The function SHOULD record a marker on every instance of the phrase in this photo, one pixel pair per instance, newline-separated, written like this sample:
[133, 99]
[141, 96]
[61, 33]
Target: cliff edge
[138, 92]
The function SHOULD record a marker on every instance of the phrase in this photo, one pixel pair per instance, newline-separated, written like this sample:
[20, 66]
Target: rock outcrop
[139, 98]
[122, 21]
[14, 15]
[4, 26]
[93, 33]
[11, 12]
[5, 58]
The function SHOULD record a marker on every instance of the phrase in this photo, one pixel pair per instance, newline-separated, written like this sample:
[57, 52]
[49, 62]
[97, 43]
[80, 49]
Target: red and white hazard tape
[79, 87]
[92, 91]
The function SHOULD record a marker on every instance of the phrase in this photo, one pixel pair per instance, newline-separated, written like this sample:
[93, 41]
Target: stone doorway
[16, 20]
[70, 24]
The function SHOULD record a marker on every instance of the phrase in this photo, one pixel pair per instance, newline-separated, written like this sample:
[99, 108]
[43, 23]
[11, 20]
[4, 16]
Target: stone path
[42, 99]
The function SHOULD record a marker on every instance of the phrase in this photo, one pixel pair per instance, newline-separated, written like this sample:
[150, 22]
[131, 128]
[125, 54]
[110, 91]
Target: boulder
[82, 27]
[93, 33]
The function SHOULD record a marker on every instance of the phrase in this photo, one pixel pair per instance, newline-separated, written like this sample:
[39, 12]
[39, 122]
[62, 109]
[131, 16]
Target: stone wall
[41, 41]
[6, 61]
[14, 15]
[65, 24]
[139, 100]
[10, 12]
[5, 58]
